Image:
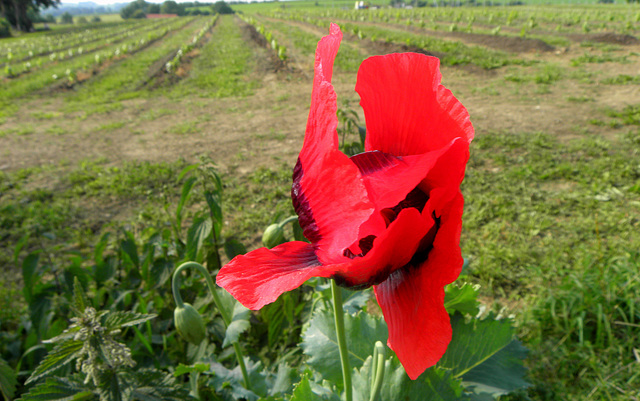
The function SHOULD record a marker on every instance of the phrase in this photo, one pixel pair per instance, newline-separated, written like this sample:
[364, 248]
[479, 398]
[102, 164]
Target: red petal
[445, 259]
[412, 298]
[259, 277]
[392, 250]
[413, 307]
[389, 178]
[328, 193]
[406, 109]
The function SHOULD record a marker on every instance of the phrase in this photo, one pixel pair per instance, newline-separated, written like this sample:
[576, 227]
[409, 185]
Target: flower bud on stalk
[273, 236]
[189, 323]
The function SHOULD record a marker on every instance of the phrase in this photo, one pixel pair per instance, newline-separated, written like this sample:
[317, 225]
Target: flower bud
[189, 324]
[273, 236]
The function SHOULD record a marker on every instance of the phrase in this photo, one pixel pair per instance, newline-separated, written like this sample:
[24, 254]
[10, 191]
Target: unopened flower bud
[189, 324]
[273, 236]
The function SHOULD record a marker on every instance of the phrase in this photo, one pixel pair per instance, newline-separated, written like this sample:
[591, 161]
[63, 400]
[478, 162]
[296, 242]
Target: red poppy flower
[389, 217]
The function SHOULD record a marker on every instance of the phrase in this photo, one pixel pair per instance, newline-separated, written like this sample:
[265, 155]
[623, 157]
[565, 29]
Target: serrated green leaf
[182, 369]
[198, 232]
[461, 298]
[320, 344]
[80, 299]
[8, 380]
[230, 382]
[58, 357]
[112, 388]
[303, 392]
[500, 374]
[155, 385]
[59, 389]
[435, 384]
[474, 342]
[118, 319]
[239, 324]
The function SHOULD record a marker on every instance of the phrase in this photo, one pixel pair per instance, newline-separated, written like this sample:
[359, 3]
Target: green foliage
[220, 7]
[66, 18]
[8, 380]
[5, 28]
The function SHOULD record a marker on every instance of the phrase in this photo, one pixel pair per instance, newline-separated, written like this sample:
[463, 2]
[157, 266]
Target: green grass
[224, 66]
[553, 227]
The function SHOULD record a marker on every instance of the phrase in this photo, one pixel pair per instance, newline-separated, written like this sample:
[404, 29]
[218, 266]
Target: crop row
[172, 65]
[449, 52]
[27, 48]
[23, 85]
[489, 19]
[16, 69]
[280, 50]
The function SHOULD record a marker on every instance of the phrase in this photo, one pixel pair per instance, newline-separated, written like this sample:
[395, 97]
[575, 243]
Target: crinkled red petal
[328, 193]
[259, 277]
[407, 110]
[419, 328]
[392, 250]
[412, 298]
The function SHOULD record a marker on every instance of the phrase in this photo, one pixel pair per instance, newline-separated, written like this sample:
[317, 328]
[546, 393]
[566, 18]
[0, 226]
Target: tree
[5, 28]
[128, 10]
[95, 18]
[153, 9]
[139, 13]
[171, 7]
[16, 11]
[81, 20]
[222, 8]
[66, 18]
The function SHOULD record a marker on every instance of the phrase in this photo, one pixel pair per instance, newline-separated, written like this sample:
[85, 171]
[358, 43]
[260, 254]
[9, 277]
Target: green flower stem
[288, 220]
[377, 370]
[175, 286]
[338, 313]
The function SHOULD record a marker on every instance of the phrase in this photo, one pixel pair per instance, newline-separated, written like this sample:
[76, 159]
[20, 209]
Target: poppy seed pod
[189, 323]
[273, 236]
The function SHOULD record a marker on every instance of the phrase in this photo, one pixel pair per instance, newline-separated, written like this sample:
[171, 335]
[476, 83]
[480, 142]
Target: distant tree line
[140, 8]
[20, 14]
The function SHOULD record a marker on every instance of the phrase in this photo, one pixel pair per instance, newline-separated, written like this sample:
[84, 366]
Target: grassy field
[552, 190]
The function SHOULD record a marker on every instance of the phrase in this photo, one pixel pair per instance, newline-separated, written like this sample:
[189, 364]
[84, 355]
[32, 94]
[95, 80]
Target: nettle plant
[383, 222]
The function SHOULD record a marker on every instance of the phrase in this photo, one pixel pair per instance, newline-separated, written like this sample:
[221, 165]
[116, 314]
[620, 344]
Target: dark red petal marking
[259, 277]
[328, 192]
[393, 249]
[389, 179]
[413, 307]
[412, 298]
[406, 109]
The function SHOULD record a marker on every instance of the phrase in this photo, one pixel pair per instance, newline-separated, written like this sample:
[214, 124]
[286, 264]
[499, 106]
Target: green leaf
[213, 201]
[8, 380]
[233, 248]
[239, 324]
[195, 368]
[112, 388]
[155, 385]
[230, 382]
[462, 299]
[59, 389]
[319, 342]
[61, 355]
[184, 197]
[129, 247]
[303, 391]
[29, 266]
[198, 232]
[474, 342]
[79, 298]
[118, 319]
[500, 374]
[435, 384]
